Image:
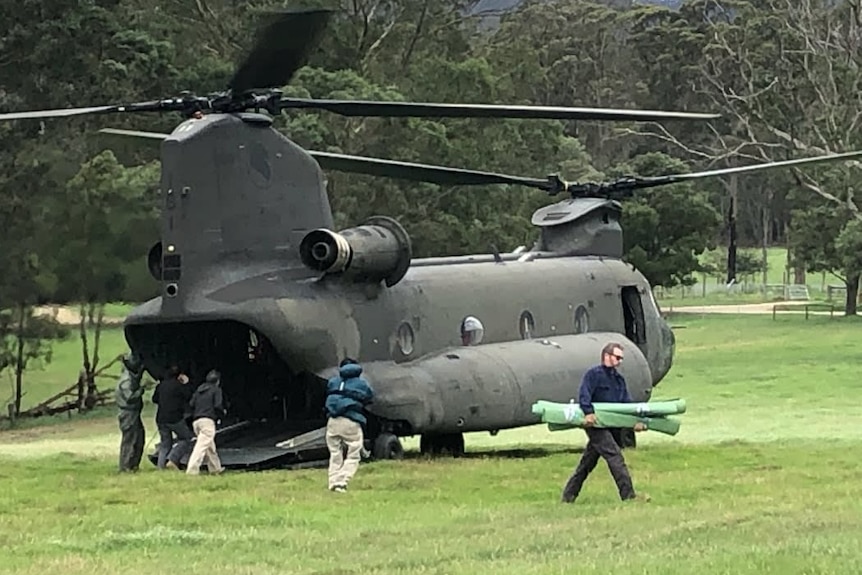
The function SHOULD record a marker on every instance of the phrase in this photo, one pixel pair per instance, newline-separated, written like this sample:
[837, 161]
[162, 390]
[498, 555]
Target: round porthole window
[526, 325]
[582, 320]
[405, 338]
[472, 331]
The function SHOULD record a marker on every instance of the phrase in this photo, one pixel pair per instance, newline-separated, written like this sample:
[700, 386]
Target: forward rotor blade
[430, 110]
[57, 113]
[282, 47]
[423, 172]
[134, 133]
[631, 184]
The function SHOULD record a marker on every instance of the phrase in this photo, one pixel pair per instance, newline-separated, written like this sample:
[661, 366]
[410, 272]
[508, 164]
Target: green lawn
[45, 379]
[762, 478]
[716, 293]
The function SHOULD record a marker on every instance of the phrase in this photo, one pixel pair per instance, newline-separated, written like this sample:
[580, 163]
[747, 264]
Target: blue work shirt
[602, 385]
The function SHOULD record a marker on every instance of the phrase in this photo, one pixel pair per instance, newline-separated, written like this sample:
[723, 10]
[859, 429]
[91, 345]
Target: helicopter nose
[668, 348]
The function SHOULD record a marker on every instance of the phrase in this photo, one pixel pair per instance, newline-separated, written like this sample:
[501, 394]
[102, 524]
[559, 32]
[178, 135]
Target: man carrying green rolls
[602, 383]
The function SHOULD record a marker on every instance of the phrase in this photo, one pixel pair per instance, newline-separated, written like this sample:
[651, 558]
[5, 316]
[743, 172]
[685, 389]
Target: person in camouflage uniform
[130, 403]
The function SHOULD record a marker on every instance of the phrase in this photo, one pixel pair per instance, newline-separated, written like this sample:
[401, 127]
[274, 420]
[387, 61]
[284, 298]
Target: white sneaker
[339, 489]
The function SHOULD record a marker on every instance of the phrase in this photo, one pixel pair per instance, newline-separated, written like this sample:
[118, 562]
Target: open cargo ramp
[260, 445]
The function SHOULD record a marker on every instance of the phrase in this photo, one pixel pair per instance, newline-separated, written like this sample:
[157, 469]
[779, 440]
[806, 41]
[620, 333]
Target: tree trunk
[84, 377]
[92, 316]
[852, 285]
[765, 243]
[731, 230]
[19, 361]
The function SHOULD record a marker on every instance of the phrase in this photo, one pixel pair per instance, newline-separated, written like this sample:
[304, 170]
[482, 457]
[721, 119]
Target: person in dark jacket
[172, 396]
[207, 407]
[130, 403]
[347, 394]
[602, 383]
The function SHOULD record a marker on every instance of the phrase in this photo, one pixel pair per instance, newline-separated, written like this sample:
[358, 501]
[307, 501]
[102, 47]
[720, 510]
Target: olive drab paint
[257, 284]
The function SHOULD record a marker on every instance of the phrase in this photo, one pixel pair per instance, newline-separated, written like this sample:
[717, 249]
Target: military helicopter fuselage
[256, 283]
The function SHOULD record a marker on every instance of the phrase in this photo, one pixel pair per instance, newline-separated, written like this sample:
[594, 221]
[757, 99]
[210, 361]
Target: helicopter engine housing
[379, 250]
[581, 227]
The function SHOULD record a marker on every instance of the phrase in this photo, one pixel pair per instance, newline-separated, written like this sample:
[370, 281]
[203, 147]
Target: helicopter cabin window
[633, 314]
[253, 345]
[405, 338]
[526, 325]
[472, 331]
[582, 320]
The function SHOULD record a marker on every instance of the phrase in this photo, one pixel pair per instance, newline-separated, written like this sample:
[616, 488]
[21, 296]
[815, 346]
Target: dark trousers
[132, 443]
[601, 444]
[167, 450]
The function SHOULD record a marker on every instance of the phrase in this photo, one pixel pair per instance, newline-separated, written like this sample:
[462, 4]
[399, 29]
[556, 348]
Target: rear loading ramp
[258, 445]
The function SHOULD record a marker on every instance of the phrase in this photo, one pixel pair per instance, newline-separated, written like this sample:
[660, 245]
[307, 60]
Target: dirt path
[69, 315]
[754, 308]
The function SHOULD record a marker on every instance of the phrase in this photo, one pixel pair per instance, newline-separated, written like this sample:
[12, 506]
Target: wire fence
[755, 291]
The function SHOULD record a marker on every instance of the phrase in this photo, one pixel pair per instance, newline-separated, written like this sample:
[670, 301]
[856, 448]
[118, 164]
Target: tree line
[78, 210]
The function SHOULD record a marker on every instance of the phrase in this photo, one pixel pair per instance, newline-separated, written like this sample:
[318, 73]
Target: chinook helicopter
[256, 283]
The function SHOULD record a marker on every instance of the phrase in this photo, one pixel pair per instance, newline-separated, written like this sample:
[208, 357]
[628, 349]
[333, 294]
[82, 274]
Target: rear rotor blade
[393, 168]
[432, 110]
[282, 47]
[167, 105]
[424, 173]
[628, 185]
[61, 113]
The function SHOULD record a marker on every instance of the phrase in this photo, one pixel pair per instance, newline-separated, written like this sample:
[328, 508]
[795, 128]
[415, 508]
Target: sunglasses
[619, 357]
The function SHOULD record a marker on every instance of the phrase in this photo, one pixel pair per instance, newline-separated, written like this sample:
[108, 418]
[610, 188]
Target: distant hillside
[506, 5]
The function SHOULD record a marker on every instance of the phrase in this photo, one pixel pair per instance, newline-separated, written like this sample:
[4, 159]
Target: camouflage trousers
[343, 434]
[132, 442]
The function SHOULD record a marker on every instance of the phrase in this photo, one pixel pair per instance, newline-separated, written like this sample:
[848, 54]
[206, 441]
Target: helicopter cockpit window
[526, 325]
[582, 320]
[472, 331]
[405, 338]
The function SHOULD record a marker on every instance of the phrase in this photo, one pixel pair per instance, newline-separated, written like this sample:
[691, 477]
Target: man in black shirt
[207, 408]
[602, 383]
[172, 397]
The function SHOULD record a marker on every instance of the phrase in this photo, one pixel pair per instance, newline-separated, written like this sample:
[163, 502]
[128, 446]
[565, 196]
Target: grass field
[45, 379]
[762, 478]
[715, 292]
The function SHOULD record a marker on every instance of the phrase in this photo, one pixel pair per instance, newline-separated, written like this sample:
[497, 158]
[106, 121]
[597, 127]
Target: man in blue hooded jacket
[347, 394]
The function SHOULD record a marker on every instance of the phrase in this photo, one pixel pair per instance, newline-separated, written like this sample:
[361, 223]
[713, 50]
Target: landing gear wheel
[387, 446]
[452, 443]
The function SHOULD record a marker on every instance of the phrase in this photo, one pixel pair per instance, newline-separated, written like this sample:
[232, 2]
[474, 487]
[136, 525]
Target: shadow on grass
[527, 452]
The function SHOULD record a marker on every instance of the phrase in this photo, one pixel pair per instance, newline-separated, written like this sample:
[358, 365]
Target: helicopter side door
[633, 316]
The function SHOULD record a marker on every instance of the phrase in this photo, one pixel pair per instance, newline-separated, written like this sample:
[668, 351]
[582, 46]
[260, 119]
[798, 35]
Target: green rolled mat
[645, 409]
[561, 416]
[666, 425]
[651, 409]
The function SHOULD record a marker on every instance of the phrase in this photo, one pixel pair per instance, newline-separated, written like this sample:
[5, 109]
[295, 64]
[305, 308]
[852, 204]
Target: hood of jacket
[350, 370]
[206, 387]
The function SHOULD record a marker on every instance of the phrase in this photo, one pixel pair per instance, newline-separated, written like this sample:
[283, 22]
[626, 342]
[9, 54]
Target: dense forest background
[78, 209]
